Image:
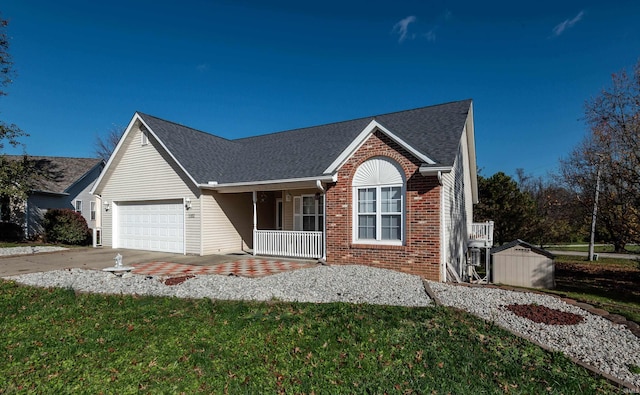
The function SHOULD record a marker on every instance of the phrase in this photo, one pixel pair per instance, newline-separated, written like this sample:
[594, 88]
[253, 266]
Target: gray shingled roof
[434, 131]
[57, 174]
[519, 242]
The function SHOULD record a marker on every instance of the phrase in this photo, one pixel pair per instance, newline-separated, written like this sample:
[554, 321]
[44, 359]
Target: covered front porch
[287, 218]
[297, 228]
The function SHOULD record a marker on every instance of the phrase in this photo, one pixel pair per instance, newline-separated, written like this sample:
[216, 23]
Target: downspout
[324, 220]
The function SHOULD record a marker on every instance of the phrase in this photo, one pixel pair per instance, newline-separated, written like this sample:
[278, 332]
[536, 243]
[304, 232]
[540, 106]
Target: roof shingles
[434, 131]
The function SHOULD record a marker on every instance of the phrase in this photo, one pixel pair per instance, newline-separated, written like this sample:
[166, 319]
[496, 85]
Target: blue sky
[241, 68]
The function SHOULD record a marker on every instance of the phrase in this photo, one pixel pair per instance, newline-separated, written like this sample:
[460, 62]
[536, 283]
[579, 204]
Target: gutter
[215, 185]
[435, 171]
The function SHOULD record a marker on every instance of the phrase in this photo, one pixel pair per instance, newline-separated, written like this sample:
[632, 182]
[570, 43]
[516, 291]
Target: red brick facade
[420, 253]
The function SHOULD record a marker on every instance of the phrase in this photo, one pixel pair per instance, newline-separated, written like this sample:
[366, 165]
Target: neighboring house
[392, 191]
[61, 183]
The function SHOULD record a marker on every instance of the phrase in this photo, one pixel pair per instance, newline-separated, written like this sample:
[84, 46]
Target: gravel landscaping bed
[322, 284]
[598, 342]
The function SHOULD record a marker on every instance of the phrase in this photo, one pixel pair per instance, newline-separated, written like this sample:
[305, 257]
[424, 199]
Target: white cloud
[568, 23]
[430, 35]
[402, 27]
[202, 67]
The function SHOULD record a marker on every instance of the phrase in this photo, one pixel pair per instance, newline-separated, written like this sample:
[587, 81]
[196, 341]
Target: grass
[610, 283]
[630, 248]
[54, 340]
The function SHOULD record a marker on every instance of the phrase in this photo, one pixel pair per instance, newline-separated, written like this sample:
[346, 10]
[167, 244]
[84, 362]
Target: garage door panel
[155, 226]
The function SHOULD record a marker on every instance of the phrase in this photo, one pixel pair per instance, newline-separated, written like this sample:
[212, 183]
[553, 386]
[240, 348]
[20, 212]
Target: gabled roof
[432, 132]
[58, 174]
[519, 242]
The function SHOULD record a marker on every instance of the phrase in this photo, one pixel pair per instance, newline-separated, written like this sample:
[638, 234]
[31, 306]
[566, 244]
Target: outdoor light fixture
[106, 205]
[187, 203]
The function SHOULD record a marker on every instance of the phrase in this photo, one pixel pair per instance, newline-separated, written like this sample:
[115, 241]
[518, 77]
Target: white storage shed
[521, 264]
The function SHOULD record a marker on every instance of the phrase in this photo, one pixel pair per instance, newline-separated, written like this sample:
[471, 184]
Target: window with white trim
[78, 206]
[92, 211]
[308, 212]
[379, 194]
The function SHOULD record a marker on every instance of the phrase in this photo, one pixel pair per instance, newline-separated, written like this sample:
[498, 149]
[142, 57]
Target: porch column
[255, 219]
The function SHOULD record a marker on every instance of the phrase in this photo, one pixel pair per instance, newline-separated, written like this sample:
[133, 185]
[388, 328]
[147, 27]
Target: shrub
[11, 232]
[66, 226]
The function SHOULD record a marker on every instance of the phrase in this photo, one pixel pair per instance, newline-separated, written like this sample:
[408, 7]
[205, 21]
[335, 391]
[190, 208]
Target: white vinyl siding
[227, 222]
[457, 209]
[144, 173]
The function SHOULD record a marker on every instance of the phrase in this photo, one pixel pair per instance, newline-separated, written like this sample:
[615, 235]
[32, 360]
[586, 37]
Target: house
[392, 191]
[59, 183]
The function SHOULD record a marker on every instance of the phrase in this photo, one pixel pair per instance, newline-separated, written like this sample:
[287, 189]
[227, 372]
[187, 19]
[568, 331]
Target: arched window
[378, 202]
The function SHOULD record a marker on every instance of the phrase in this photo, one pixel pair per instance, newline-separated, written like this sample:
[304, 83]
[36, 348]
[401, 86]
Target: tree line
[559, 208]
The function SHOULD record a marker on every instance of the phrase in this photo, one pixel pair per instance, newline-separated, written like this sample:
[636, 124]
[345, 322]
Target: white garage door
[152, 226]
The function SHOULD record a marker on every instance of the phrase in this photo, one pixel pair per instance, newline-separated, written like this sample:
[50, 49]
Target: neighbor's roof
[519, 242]
[57, 174]
[434, 131]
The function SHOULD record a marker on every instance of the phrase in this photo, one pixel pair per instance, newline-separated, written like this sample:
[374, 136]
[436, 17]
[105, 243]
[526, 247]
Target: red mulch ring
[545, 315]
[177, 280]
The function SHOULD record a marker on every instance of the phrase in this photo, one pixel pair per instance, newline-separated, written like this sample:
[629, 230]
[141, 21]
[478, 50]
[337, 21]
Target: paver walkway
[252, 267]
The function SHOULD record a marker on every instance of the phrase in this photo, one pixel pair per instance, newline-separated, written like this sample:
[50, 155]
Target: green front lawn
[54, 340]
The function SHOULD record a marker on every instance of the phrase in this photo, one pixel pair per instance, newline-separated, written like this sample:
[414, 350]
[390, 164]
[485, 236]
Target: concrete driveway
[99, 258]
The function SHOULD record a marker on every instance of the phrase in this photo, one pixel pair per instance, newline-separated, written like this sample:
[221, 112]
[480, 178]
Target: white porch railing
[481, 235]
[292, 244]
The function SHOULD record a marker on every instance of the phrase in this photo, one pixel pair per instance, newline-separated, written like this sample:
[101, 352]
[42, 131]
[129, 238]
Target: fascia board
[431, 170]
[362, 137]
[471, 147]
[257, 184]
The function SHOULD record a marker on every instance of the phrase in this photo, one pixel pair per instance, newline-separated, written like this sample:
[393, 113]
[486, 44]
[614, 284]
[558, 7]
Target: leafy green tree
[502, 201]
[613, 147]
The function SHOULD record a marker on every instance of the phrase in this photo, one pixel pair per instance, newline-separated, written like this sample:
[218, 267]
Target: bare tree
[14, 174]
[105, 145]
[613, 145]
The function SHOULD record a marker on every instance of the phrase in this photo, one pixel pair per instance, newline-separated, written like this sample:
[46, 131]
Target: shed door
[152, 226]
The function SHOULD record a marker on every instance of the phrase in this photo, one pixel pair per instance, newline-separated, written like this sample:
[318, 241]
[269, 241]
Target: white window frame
[378, 214]
[92, 210]
[144, 137]
[378, 173]
[77, 203]
[298, 213]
